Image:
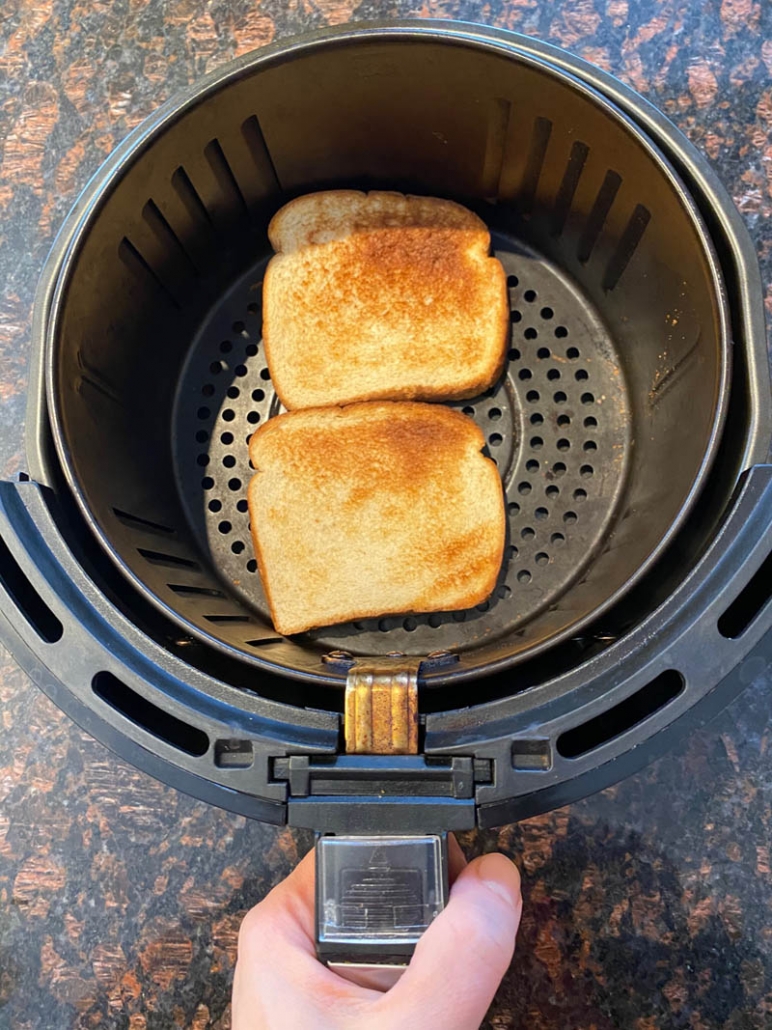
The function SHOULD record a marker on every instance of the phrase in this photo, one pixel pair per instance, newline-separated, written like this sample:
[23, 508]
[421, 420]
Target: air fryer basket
[603, 426]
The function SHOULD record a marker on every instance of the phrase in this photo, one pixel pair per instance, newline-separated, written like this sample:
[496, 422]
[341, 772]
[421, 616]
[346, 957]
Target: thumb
[460, 960]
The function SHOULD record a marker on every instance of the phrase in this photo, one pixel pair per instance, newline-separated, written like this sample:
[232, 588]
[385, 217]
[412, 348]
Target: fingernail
[500, 876]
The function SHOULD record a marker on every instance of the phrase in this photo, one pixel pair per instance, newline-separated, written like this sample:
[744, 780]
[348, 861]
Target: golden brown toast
[371, 509]
[378, 295]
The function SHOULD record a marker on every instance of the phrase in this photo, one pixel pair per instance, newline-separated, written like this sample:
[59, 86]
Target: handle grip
[375, 896]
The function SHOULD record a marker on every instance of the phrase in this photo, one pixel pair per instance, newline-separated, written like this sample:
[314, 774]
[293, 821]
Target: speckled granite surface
[648, 907]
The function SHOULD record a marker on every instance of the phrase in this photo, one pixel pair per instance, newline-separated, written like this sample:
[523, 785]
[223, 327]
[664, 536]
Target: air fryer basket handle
[375, 896]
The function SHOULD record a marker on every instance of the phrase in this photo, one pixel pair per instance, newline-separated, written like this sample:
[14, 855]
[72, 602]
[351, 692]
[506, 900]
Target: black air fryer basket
[630, 428]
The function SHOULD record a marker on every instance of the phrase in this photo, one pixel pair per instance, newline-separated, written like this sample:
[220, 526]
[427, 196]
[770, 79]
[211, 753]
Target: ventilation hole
[494, 414]
[580, 495]
[552, 490]
[229, 461]
[258, 395]
[435, 621]
[588, 398]
[512, 551]
[512, 281]
[27, 599]
[265, 374]
[250, 350]
[384, 625]
[253, 309]
[514, 507]
[228, 415]
[240, 370]
[748, 603]
[484, 606]
[570, 518]
[468, 410]
[253, 417]
[559, 469]
[557, 539]
[202, 460]
[530, 296]
[524, 576]
[237, 546]
[154, 720]
[537, 443]
[581, 375]
[564, 420]
[524, 488]
[234, 484]
[227, 618]
[208, 390]
[542, 558]
[563, 444]
[532, 396]
[541, 513]
[590, 422]
[532, 466]
[495, 439]
[233, 392]
[226, 346]
[572, 352]
[590, 445]
[226, 438]
[561, 332]
[560, 397]
[238, 328]
[172, 561]
[503, 591]
[225, 527]
[527, 533]
[514, 354]
[202, 436]
[537, 418]
[251, 565]
[216, 367]
[242, 505]
[515, 315]
[185, 590]
[207, 483]
[543, 352]
[525, 373]
[459, 616]
[203, 413]
[215, 505]
[530, 334]
[553, 374]
[247, 439]
[622, 717]
[586, 471]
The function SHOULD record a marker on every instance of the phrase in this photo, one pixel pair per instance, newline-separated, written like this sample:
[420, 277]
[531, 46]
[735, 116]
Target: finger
[456, 858]
[460, 960]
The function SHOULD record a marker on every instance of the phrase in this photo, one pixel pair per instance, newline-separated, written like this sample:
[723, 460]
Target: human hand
[458, 964]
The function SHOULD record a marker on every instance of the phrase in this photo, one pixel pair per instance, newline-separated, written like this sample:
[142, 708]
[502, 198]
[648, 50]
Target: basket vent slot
[598, 215]
[190, 199]
[27, 599]
[261, 155]
[167, 237]
[183, 590]
[627, 246]
[141, 268]
[542, 130]
[150, 717]
[173, 561]
[567, 189]
[137, 522]
[748, 603]
[218, 162]
[622, 717]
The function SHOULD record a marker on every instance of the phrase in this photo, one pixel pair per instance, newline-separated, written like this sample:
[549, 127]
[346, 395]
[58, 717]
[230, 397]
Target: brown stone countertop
[649, 906]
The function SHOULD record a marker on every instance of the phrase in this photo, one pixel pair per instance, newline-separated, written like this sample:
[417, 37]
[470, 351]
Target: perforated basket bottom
[557, 425]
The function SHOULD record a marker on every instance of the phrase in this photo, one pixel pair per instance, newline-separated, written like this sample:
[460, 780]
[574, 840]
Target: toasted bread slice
[373, 508]
[378, 295]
